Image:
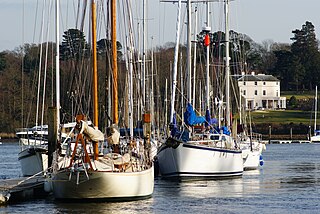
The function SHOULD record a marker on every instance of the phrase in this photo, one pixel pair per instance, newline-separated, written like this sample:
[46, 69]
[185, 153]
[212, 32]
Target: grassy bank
[286, 125]
[300, 95]
[287, 116]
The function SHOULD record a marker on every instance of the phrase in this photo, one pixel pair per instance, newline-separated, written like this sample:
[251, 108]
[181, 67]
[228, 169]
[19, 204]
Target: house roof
[259, 77]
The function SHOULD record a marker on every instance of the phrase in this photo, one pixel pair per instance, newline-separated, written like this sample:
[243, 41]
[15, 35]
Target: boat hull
[195, 161]
[33, 160]
[251, 159]
[103, 185]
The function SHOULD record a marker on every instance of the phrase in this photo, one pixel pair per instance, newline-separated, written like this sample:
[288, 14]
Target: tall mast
[175, 66]
[189, 49]
[207, 60]
[228, 119]
[130, 88]
[114, 61]
[144, 54]
[195, 59]
[57, 65]
[315, 110]
[95, 72]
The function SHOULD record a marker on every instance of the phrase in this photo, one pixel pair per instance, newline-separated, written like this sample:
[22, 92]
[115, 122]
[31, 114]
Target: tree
[305, 47]
[2, 61]
[288, 69]
[74, 45]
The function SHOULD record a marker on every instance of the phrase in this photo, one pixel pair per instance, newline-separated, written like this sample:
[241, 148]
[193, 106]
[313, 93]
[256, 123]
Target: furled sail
[191, 118]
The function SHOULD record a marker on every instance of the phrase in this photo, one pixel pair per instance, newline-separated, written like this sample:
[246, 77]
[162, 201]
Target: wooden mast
[114, 62]
[95, 75]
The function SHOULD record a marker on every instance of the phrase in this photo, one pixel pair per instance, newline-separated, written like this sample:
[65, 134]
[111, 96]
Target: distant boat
[252, 152]
[33, 142]
[316, 134]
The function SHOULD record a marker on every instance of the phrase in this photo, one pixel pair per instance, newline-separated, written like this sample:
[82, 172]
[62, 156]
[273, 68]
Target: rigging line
[46, 62]
[35, 22]
[22, 65]
[40, 63]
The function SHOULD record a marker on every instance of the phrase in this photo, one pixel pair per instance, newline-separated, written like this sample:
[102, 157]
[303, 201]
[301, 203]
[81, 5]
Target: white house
[260, 92]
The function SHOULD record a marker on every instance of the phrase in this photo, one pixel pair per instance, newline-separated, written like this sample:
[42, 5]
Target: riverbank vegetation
[296, 65]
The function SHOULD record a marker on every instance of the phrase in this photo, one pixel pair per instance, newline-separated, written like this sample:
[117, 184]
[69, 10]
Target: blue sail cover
[210, 121]
[224, 130]
[191, 118]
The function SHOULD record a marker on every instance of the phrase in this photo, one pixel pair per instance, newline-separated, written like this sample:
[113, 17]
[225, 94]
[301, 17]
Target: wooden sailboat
[200, 155]
[88, 173]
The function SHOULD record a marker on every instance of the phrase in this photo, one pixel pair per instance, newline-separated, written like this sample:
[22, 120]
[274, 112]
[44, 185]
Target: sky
[259, 19]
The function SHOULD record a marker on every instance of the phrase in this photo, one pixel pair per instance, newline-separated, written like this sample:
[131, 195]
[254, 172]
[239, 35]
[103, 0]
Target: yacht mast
[175, 66]
[95, 74]
[228, 119]
[207, 44]
[315, 111]
[114, 62]
[57, 66]
[189, 50]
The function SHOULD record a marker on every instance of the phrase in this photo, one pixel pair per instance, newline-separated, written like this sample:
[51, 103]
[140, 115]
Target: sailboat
[252, 148]
[206, 153]
[88, 173]
[250, 142]
[316, 134]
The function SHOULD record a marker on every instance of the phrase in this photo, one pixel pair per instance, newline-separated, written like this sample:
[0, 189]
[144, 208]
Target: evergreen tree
[74, 45]
[305, 47]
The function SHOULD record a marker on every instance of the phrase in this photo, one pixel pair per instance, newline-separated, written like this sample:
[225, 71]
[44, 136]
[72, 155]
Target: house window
[277, 94]
[255, 83]
[264, 92]
[264, 83]
[244, 92]
[276, 83]
[244, 83]
[255, 92]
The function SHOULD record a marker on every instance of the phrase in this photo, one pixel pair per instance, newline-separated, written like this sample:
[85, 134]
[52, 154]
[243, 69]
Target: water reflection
[289, 182]
[140, 206]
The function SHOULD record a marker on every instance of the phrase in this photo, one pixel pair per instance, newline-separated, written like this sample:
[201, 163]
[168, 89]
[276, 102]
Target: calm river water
[289, 182]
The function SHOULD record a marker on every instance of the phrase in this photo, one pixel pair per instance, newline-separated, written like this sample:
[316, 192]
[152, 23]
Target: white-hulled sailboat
[189, 154]
[87, 173]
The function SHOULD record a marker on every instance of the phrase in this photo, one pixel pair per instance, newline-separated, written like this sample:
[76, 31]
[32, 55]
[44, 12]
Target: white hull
[251, 159]
[33, 161]
[103, 185]
[315, 139]
[195, 161]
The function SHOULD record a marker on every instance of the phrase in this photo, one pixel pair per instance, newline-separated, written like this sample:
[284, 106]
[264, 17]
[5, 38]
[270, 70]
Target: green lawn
[299, 95]
[286, 116]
